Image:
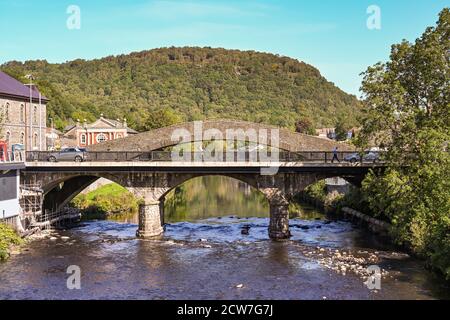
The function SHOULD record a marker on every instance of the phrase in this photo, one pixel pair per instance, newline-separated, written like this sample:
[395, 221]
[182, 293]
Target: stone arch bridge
[150, 180]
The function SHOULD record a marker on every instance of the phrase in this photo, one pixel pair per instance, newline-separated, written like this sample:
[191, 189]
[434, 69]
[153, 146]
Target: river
[204, 255]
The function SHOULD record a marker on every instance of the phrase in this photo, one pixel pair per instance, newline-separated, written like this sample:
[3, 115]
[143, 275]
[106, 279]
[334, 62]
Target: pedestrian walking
[335, 155]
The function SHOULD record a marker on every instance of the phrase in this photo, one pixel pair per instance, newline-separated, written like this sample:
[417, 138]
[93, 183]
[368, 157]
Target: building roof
[102, 123]
[13, 88]
[53, 130]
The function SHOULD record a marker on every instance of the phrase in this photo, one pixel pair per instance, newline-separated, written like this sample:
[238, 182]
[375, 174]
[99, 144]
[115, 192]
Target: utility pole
[40, 122]
[29, 145]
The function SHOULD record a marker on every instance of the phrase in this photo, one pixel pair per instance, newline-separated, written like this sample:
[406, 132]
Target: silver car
[68, 154]
[369, 156]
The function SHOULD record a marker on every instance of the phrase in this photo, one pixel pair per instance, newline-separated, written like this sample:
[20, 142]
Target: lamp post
[40, 122]
[86, 138]
[52, 138]
[29, 146]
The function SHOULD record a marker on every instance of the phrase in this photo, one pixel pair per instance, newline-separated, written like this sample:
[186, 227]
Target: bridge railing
[166, 156]
[12, 157]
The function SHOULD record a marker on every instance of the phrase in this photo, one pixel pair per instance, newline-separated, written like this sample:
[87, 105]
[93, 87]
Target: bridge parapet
[230, 157]
[201, 131]
[151, 180]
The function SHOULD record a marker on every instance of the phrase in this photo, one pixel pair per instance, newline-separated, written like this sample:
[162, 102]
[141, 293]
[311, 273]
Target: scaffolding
[35, 216]
[31, 200]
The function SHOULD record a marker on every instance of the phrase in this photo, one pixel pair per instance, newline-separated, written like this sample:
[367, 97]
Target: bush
[106, 200]
[8, 237]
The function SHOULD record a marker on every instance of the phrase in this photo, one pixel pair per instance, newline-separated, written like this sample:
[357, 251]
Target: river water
[204, 255]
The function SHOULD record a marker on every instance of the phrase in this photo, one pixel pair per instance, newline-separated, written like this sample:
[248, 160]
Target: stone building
[327, 133]
[87, 134]
[23, 122]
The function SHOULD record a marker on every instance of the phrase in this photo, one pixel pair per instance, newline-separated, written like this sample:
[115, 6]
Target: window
[22, 113]
[22, 138]
[8, 137]
[7, 112]
[101, 137]
[83, 138]
[35, 114]
[35, 140]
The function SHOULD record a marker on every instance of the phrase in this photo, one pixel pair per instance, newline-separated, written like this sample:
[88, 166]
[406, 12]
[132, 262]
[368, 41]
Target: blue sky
[329, 34]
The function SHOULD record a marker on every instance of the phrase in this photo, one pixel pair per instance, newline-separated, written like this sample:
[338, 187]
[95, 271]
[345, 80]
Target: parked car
[369, 156]
[68, 154]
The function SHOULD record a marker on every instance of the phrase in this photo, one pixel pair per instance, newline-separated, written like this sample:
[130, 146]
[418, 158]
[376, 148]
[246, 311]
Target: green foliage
[356, 199]
[194, 83]
[106, 200]
[408, 113]
[8, 237]
[162, 118]
[317, 190]
[305, 125]
[341, 128]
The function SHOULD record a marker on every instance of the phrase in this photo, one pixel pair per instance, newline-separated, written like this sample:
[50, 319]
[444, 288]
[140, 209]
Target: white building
[10, 192]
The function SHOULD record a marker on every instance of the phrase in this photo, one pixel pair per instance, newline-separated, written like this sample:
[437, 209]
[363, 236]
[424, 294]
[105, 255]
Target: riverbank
[353, 206]
[106, 200]
[9, 241]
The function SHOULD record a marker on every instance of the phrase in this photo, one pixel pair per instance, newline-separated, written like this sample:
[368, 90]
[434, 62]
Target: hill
[163, 86]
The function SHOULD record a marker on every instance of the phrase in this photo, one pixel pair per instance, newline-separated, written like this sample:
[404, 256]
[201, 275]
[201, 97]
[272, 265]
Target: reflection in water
[214, 196]
[209, 256]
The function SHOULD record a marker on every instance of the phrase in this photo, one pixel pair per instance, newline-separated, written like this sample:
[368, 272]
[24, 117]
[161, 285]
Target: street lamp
[52, 138]
[30, 135]
[86, 135]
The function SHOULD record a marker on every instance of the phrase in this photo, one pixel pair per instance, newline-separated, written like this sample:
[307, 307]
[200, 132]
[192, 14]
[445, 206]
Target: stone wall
[161, 138]
[17, 123]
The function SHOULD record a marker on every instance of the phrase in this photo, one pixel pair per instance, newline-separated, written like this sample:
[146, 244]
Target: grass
[105, 201]
[106, 191]
[8, 238]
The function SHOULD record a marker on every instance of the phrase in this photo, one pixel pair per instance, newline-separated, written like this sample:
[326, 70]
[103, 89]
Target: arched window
[35, 140]
[22, 138]
[22, 113]
[35, 114]
[8, 137]
[83, 138]
[101, 137]
[7, 112]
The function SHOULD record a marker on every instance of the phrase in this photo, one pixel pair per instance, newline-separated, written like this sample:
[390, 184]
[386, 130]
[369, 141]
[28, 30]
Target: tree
[198, 83]
[408, 103]
[305, 125]
[341, 129]
[162, 118]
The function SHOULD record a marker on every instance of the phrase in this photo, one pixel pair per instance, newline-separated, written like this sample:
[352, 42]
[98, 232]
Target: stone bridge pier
[279, 219]
[151, 219]
[278, 189]
[152, 187]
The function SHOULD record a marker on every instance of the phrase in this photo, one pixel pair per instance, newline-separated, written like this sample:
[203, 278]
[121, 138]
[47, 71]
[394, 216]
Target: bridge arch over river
[201, 130]
[151, 180]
